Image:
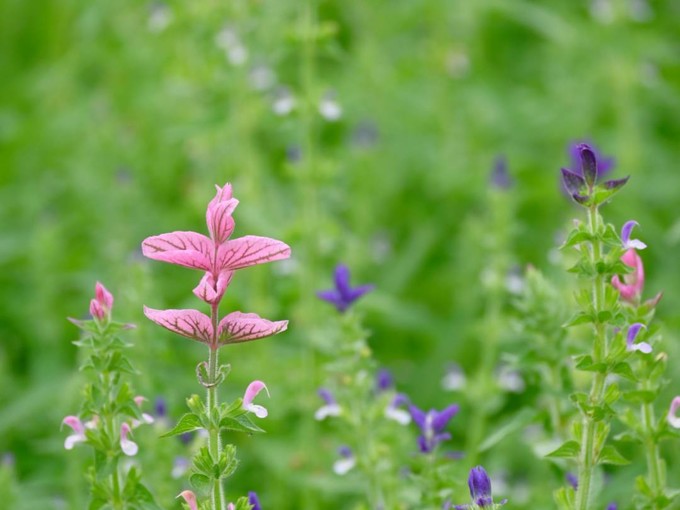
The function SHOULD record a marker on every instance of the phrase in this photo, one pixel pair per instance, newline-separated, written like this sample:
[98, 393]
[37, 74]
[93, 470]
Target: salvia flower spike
[253, 389]
[603, 164]
[343, 295]
[672, 417]
[582, 181]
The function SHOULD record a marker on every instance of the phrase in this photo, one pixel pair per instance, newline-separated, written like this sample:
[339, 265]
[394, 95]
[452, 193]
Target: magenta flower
[190, 499]
[253, 389]
[218, 256]
[343, 295]
[672, 417]
[633, 283]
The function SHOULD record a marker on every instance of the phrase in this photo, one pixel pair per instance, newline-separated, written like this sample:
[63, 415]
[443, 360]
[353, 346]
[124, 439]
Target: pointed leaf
[610, 455]
[187, 423]
[240, 423]
[244, 327]
[568, 450]
[189, 249]
[248, 251]
[189, 323]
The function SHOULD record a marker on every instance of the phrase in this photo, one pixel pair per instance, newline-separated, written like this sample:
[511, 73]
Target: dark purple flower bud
[160, 407]
[616, 184]
[500, 178]
[384, 380]
[254, 501]
[602, 164]
[588, 164]
[572, 182]
[612, 506]
[480, 487]
[343, 295]
[572, 480]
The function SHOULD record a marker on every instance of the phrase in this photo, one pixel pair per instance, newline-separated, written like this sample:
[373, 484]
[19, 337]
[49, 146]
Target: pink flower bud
[96, 310]
[103, 296]
[190, 498]
[633, 283]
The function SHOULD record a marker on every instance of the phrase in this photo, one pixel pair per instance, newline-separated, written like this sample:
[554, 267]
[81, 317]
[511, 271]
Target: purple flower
[343, 295]
[629, 243]
[160, 407]
[603, 165]
[331, 408]
[346, 462]
[572, 480]
[432, 425]
[254, 501]
[585, 172]
[612, 506]
[384, 380]
[480, 490]
[393, 411]
[631, 346]
[500, 178]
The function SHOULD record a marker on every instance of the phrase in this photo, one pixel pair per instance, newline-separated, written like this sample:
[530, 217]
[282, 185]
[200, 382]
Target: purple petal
[615, 184]
[357, 292]
[418, 416]
[400, 399]
[572, 182]
[342, 279]
[384, 380]
[633, 331]
[345, 451]
[588, 163]
[327, 396]
[626, 230]
[442, 419]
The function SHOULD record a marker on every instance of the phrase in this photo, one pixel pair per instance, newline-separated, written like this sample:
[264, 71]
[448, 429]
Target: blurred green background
[118, 116]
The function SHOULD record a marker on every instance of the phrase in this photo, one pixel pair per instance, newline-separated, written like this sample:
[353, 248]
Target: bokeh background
[358, 132]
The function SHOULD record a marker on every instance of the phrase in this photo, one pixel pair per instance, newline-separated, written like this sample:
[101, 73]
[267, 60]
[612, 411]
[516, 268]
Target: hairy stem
[588, 454]
[214, 444]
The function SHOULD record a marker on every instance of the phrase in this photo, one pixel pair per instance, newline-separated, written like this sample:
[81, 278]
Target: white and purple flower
[432, 425]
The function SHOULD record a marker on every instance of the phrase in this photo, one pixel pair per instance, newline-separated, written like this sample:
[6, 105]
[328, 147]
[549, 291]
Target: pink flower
[101, 305]
[673, 418]
[78, 435]
[253, 389]
[231, 506]
[146, 418]
[128, 446]
[216, 255]
[190, 498]
[633, 283]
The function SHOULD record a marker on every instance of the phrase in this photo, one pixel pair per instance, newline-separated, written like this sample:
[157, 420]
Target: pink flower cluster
[218, 257]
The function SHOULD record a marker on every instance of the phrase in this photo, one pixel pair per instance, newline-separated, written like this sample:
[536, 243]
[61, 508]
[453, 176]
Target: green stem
[656, 482]
[214, 444]
[588, 454]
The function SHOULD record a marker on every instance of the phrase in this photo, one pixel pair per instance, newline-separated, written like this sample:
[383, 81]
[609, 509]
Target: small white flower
[128, 446]
[329, 108]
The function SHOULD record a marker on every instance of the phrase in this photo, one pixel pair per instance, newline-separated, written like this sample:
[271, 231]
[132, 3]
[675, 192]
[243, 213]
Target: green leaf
[575, 237]
[586, 364]
[568, 450]
[578, 318]
[517, 422]
[623, 369]
[564, 497]
[201, 483]
[186, 423]
[239, 423]
[610, 455]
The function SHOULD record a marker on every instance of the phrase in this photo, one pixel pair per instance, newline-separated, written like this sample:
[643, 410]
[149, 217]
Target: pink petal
[96, 310]
[189, 323]
[190, 498]
[248, 251]
[128, 446]
[219, 220]
[188, 249]
[103, 296]
[243, 327]
[231, 506]
[75, 423]
[211, 291]
[252, 391]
